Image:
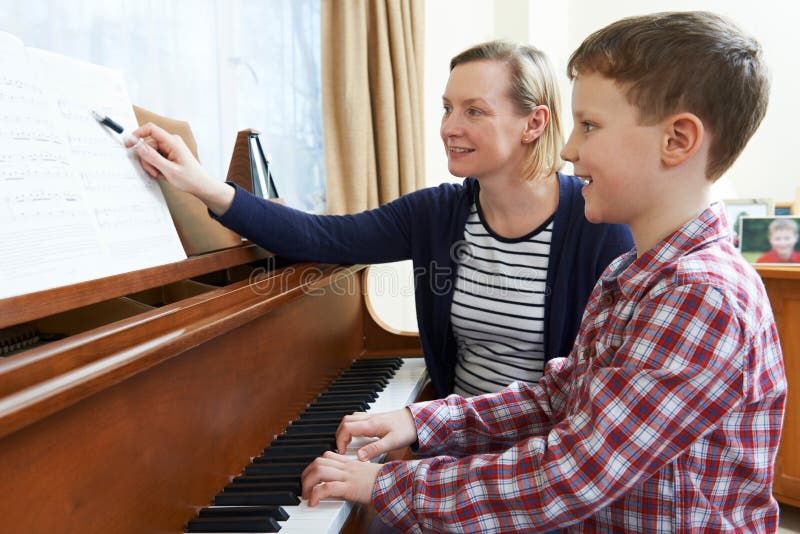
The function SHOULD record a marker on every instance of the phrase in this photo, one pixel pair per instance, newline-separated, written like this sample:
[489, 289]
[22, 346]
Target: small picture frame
[770, 240]
[784, 208]
[746, 207]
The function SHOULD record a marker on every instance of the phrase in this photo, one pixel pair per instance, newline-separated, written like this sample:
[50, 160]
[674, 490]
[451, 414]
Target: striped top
[498, 306]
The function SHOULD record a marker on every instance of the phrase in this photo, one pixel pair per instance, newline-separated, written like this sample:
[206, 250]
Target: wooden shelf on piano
[24, 308]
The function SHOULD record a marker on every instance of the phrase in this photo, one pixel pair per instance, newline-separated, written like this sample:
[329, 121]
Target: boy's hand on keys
[396, 429]
[335, 476]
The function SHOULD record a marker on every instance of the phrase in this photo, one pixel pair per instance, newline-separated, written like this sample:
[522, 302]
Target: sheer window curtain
[220, 65]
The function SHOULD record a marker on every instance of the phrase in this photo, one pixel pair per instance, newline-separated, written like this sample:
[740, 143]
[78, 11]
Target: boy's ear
[537, 120]
[683, 135]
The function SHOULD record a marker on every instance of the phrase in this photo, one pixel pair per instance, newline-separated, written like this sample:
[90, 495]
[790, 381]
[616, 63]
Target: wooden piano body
[169, 379]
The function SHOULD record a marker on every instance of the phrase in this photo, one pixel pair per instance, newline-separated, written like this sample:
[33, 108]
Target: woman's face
[481, 130]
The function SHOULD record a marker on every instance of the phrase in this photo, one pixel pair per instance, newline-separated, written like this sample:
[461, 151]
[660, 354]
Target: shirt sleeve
[630, 409]
[492, 422]
[375, 236]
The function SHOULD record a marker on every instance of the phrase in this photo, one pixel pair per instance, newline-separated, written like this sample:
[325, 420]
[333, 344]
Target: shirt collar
[632, 275]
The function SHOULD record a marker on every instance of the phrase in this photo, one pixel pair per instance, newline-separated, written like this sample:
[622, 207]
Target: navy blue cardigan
[427, 226]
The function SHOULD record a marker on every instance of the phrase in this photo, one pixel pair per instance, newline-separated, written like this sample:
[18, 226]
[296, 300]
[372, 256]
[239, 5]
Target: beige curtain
[372, 101]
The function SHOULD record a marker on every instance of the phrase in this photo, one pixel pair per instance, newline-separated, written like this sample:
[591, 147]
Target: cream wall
[765, 169]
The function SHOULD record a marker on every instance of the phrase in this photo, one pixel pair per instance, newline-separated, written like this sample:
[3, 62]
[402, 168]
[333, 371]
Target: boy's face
[783, 242]
[619, 156]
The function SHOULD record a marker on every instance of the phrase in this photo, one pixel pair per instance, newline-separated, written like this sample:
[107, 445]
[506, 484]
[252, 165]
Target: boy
[782, 238]
[666, 415]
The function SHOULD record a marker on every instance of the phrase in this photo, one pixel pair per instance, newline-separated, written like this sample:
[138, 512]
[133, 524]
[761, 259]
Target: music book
[75, 205]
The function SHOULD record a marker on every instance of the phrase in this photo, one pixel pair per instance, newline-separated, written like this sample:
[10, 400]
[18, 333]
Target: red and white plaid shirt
[665, 417]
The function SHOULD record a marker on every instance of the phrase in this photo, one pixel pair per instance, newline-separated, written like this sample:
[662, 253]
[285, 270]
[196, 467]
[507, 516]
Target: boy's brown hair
[533, 83]
[694, 61]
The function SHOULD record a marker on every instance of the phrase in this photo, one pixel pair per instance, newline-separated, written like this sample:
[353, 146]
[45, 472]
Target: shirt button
[607, 299]
[589, 352]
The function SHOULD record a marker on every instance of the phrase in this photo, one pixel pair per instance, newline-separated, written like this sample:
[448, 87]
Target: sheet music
[74, 204]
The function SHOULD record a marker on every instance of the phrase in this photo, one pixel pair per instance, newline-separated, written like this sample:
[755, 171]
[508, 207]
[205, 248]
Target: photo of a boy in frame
[746, 207]
[770, 239]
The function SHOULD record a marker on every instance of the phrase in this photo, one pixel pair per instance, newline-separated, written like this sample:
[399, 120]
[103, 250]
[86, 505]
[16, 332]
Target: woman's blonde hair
[532, 84]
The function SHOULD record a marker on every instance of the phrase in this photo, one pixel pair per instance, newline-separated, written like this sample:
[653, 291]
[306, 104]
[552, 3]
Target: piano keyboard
[265, 498]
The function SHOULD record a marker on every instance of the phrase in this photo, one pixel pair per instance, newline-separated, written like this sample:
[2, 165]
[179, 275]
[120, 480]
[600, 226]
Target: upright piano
[163, 383]
[132, 400]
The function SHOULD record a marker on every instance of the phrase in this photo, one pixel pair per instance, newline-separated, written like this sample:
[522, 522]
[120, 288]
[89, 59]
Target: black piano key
[379, 383]
[295, 487]
[293, 468]
[355, 390]
[246, 498]
[367, 384]
[233, 524]
[265, 479]
[330, 411]
[371, 368]
[364, 364]
[346, 397]
[332, 403]
[277, 458]
[284, 445]
[367, 373]
[349, 407]
[394, 363]
[282, 440]
[326, 411]
[275, 512]
[317, 419]
[319, 431]
[365, 381]
[316, 435]
[277, 449]
[351, 388]
[342, 394]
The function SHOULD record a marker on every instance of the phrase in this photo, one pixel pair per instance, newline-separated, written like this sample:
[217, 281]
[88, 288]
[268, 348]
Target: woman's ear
[684, 134]
[537, 121]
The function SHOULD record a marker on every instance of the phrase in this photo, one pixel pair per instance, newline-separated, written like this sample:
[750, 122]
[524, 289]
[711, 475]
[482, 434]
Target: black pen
[117, 127]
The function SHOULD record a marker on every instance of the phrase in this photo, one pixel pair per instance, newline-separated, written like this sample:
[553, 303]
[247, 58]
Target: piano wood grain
[133, 426]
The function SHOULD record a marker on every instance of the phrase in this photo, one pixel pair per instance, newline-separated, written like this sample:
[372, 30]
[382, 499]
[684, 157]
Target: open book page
[74, 204]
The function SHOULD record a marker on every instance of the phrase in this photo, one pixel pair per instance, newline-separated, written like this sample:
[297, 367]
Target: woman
[504, 262]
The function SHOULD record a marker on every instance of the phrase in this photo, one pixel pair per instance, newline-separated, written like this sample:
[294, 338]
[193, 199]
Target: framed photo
[784, 208]
[770, 239]
[746, 207]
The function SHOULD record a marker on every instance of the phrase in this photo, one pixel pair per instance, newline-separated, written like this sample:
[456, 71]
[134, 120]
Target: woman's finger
[149, 169]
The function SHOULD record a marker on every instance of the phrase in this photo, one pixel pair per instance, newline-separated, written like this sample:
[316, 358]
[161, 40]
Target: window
[220, 65]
